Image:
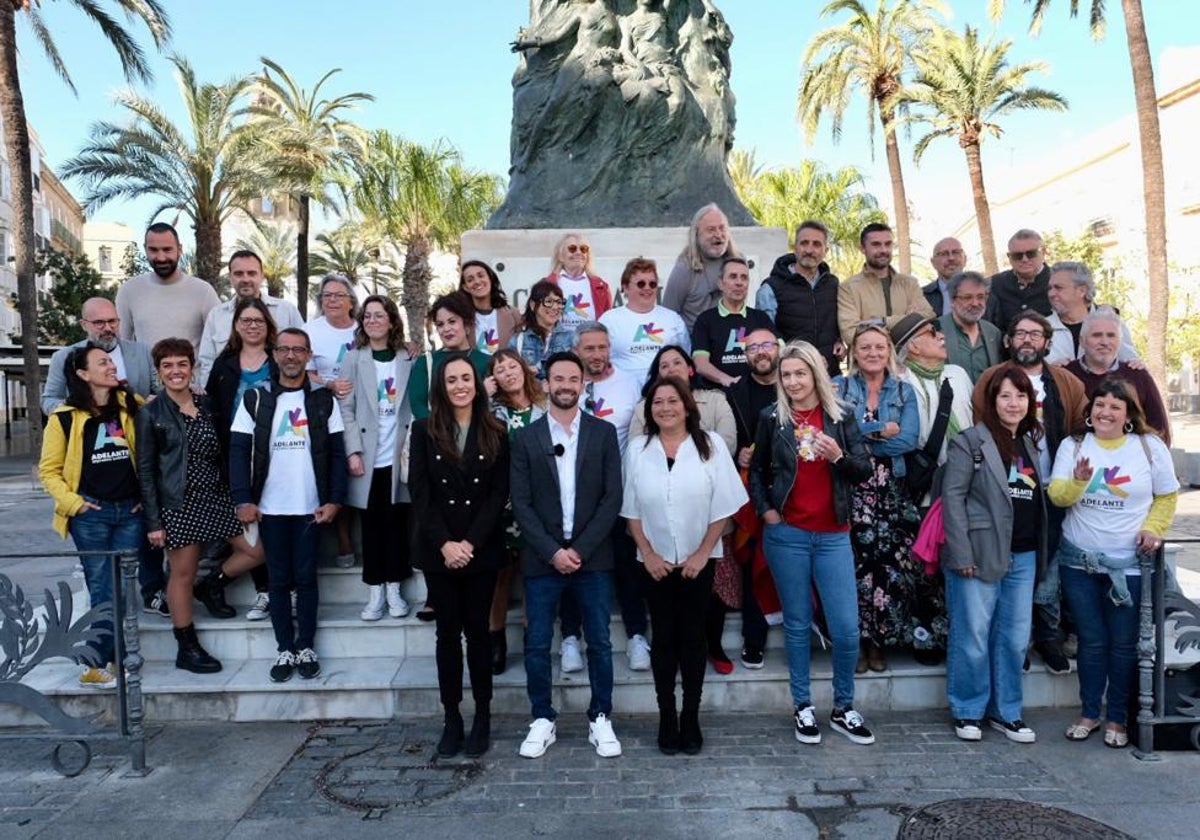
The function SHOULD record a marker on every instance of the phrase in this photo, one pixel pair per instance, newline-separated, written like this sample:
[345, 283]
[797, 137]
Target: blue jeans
[989, 634]
[291, 544]
[627, 576]
[1108, 637]
[115, 527]
[593, 593]
[799, 559]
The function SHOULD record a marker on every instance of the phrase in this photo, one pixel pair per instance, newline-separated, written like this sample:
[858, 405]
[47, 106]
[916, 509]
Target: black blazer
[457, 500]
[536, 497]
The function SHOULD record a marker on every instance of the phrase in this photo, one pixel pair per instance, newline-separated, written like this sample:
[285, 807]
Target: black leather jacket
[162, 454]
[773, 467]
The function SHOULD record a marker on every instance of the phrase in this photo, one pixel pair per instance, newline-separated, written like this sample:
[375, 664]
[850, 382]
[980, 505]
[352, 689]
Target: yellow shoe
[97, 678]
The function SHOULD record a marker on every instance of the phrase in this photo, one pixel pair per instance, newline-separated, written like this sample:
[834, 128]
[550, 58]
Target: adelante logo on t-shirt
[598, 409]
[577, 307]
[293, 424]
[349, 345]
[1020, 472]
[1108, 482]
[737, 340]
[648, 332]
[489, 341]
[387, 390]
[110, 433]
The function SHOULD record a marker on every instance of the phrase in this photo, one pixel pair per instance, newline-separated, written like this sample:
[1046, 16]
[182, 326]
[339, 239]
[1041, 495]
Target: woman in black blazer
[458, 480]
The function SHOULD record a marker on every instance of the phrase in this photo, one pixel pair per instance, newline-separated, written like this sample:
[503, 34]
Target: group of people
[572, 446]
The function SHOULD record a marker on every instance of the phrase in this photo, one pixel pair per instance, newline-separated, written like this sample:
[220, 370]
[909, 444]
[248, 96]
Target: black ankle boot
[480, 739]
[211, 593]
[499, 652]
[192, 656]
[668, 731]
[452, 735]
[690, 738]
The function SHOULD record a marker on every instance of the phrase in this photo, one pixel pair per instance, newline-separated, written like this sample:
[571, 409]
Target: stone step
[386, 686]
[334, 584]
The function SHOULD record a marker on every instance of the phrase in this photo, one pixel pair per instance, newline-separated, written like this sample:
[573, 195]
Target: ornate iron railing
[27, 640]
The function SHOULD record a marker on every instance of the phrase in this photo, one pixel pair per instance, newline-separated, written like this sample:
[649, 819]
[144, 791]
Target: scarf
[933, 375]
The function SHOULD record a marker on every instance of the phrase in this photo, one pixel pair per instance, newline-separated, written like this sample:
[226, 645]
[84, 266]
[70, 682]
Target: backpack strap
[937, 433]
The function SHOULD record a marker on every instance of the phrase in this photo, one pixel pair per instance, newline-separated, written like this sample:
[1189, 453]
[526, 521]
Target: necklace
[805, 415]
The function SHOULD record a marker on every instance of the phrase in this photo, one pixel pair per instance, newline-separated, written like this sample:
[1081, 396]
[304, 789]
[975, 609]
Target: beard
[1027, 357]
[105, 343]
[165, 268]
[564, 399]
[763, 365]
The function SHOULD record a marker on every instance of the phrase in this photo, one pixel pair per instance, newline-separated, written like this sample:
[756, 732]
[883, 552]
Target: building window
[5, 181]
[4, 250]
[268, 207]
[105, 259]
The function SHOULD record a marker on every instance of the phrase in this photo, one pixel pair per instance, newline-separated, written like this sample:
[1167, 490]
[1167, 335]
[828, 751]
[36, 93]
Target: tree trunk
[983, 212]
[899, 199]
[1153, 190]
[415, 295]
[302, 259]
[208, 251]
[16, 141]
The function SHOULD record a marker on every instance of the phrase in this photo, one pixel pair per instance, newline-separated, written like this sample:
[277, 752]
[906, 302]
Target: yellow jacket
[61, 464]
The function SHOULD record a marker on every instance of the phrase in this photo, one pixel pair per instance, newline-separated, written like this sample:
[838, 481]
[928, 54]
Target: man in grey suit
[568, 545]
[132, 358]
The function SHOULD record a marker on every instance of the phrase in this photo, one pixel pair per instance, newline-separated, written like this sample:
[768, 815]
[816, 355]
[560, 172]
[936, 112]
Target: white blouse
[677, 505]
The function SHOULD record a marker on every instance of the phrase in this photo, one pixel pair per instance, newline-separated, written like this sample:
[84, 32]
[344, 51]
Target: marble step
[388, 686]
[334, 584]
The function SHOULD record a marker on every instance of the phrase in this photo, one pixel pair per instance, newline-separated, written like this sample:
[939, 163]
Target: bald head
[99, 320]
[948, 258]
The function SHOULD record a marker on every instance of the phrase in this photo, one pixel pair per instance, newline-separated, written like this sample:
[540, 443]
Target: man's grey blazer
[139, 372]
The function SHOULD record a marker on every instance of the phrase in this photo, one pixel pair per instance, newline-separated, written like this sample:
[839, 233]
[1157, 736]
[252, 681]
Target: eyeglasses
[252, 322]
[112, 323]
[979, 298]
[583, 249]
[334, 296]
[552, 303]
[950, 252]
[760, 347]
[291, 351]
[646, 284]
[1017, 256]
[1019, 334]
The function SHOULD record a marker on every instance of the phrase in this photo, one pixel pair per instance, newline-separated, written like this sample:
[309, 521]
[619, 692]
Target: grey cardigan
[360, 413]
[976, 508]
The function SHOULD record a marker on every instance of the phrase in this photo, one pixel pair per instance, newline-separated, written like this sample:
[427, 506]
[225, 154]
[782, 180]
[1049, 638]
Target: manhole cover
[979, 819]
[393, 773]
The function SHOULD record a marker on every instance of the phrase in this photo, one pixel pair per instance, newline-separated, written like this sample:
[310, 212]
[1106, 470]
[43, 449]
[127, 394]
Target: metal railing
[28, 639]
[1152, 667]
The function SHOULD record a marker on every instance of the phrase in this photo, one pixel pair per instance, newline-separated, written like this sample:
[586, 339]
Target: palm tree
[309, 143]
[1153, 177]
[206, 176]
[355, 254]
[273, 244]
[419, 197]
[870, 52]
[963, 86]
[744, 169]
[786, 197]
[16, 141]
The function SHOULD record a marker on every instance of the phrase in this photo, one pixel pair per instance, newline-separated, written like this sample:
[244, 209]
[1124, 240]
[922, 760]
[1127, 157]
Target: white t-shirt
[1043, 445]
[329, 346]
[385, 450]
[579, 306]
[291, 485]
[487, 336]
[677, 505]
[1117, 499]
[637, 336]
[612, 400]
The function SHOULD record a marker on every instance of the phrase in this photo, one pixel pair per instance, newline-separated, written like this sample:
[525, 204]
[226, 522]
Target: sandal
[1080, 731]
[1116, 738]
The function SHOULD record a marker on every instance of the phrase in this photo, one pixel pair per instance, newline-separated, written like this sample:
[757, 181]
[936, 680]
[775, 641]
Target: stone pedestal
[522, 257]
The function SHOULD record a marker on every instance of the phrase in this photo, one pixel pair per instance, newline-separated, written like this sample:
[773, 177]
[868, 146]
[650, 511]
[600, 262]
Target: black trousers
[385, 541]
[677, 619]
[463, 603]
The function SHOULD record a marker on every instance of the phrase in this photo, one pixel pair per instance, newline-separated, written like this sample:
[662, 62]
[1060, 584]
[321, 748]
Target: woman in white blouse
[681, 487]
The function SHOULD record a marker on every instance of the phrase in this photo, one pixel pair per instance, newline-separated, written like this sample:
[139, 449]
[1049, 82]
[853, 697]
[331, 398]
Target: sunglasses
[646, 284]
[583, 249]
[1016, 256]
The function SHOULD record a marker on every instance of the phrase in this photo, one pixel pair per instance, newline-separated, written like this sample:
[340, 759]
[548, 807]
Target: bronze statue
[622, 115]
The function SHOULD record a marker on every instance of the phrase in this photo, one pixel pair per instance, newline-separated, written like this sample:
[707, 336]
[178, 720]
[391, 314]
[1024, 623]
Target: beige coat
[861, 298]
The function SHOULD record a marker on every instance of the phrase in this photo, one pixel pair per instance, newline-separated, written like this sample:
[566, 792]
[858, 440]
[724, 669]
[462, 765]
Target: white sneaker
[541, 736]
[344, 561]
[373, 611]
[602, 737]
[572, 659]
[397, 606]
[638, 652]
[261, 608]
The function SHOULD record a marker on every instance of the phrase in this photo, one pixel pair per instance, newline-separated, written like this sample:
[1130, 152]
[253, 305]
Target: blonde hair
[811, 357]
[556, 258]
[692, 253]
[893, 362]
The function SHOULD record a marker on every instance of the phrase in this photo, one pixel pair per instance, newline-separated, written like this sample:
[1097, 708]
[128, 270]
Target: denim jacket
[897, 404]
[535, 350]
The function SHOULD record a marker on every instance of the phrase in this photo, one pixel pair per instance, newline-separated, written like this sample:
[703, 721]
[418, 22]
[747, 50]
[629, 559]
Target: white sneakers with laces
[261, 608]
[638, 652]
[541, 736]
[572, 659]
[602, 737]
[376, 601]
[397, 606]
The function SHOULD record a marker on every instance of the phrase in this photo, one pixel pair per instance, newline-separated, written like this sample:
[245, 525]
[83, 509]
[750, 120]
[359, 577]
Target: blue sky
[443, 69]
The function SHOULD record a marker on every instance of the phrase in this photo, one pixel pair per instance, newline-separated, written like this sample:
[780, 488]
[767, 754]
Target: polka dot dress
[207, 512]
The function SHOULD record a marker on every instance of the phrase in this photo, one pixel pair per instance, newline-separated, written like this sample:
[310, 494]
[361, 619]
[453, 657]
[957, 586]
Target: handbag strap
[937, 434]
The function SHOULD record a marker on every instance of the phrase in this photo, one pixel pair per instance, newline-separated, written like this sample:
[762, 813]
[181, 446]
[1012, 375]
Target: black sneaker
[968, 730]
[1053, 657]
[806, 726]
[752, 658]
[850, 723]
[284, 665]
[156, 604]
[1014, 730]
[307, 664]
